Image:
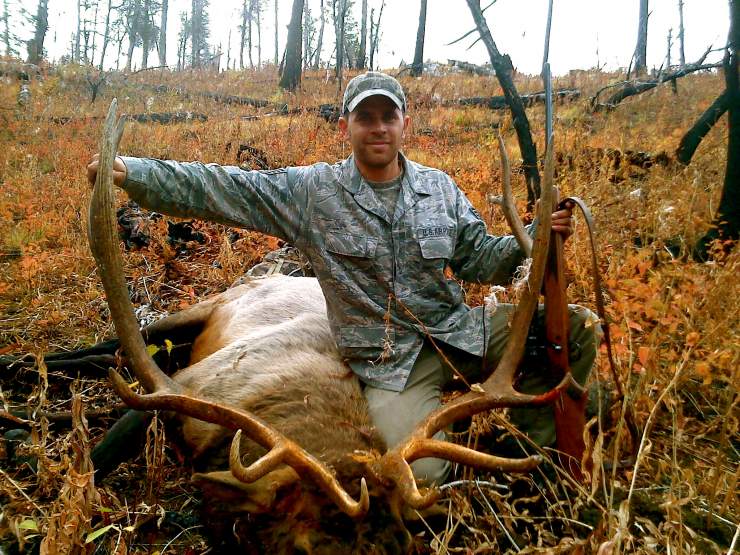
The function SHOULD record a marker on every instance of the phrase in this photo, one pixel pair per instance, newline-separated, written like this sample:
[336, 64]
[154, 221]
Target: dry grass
[675, 322]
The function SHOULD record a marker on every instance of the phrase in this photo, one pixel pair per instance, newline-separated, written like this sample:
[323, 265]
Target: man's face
[375, 129]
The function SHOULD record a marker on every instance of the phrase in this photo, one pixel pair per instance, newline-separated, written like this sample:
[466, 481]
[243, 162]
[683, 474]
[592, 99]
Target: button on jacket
[382, 272]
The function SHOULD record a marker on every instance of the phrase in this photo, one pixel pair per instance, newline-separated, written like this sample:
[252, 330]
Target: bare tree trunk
[79, 27]
[681, 53]
[106, 37]
[228, 51]
[195, 34]
[642, 35]
[417, 68]
[320, 42]
[362, 54]
[291, 77]
[163, 34]
[146, 34]
[132, 34]
[503, 67]
[351, 62]
[6, 32]
[183, 42]
[259, 35]
[249, 34]
[94, 33]
[36, 44]
[690, 141]
[277, 53]
[306, 38]
[726, 224]
[243, 29]
[339, 21]
[375, 36]
[121, 35]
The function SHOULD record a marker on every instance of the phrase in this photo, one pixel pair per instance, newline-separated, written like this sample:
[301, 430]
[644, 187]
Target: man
[380, 232]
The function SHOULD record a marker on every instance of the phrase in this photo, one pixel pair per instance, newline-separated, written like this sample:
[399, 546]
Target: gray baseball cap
[370, 84]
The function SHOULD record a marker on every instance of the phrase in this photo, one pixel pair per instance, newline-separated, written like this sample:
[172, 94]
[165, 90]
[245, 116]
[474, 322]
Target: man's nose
[379, 127]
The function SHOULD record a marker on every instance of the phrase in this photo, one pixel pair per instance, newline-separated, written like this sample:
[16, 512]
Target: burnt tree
[41, 25]
[642, 34]
[417, 67]
[690, 141]
[362, 52]
[277, 53]
[246, 23]
[320, 41]
[504, 70]
[681, 50]
[291, 76]
[375, 34]
[726, 224]
[162, 46]
[339, 13]
[106, 35]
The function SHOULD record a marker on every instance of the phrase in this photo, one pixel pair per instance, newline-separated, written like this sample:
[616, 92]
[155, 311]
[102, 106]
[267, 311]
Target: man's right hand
[119, 170]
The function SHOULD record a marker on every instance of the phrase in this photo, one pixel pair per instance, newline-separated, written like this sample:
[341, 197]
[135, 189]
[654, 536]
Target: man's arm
[484, 258]
[261, 201]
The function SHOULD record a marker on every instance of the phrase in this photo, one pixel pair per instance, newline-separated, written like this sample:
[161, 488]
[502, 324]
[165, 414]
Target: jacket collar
[411, 189]
[353, 181]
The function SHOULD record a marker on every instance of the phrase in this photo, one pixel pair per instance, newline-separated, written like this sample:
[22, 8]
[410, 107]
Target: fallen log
[167, 117]
[499, 102]
[635, 87]
[217, 97]
[161, 118]
[472, 68]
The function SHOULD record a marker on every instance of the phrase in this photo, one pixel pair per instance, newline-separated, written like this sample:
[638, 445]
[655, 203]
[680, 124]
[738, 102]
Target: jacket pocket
[366, 342]
[436, 247]
[351, 258]
[347, 244]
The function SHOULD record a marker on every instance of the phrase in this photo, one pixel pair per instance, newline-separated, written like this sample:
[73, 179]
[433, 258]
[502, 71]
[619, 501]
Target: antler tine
[287, 452]
[166, 393]
[497, 391]
[508, 204]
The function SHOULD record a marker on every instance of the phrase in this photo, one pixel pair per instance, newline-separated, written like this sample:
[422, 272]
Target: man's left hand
[562, 221]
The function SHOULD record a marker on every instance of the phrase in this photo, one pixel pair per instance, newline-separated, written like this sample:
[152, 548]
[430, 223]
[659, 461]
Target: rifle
[570, 407]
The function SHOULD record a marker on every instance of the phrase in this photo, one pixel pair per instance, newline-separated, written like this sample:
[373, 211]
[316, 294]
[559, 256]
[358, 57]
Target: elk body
[265, 366]
[265, 347]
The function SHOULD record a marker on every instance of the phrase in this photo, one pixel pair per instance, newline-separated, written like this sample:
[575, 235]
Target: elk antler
[166, 394]
[497, 391]
[508, 204]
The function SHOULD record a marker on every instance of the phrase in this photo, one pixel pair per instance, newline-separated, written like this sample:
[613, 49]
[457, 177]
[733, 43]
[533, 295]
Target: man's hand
[119, 170]
[562, 221]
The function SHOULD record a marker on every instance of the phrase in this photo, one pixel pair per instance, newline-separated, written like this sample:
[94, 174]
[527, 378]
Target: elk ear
[258, 497]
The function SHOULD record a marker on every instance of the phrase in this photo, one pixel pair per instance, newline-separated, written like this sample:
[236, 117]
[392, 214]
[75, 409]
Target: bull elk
[265, 367]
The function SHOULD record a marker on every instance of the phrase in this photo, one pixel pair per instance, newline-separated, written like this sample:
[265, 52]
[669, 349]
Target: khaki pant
[396, 414]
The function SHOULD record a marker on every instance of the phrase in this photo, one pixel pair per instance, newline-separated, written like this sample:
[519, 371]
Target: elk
[265, 366]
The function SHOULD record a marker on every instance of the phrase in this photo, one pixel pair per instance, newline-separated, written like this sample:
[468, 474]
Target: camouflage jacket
[383, 274]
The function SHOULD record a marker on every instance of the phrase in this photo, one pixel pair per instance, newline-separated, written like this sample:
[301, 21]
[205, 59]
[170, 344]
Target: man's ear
[406, 125]
[344, 127]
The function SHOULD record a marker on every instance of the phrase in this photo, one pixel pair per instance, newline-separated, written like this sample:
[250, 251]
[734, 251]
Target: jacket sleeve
[261, 201]
[479, 256]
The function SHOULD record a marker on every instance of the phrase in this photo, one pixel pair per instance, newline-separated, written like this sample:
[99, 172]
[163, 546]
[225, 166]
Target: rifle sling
[597, 285]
